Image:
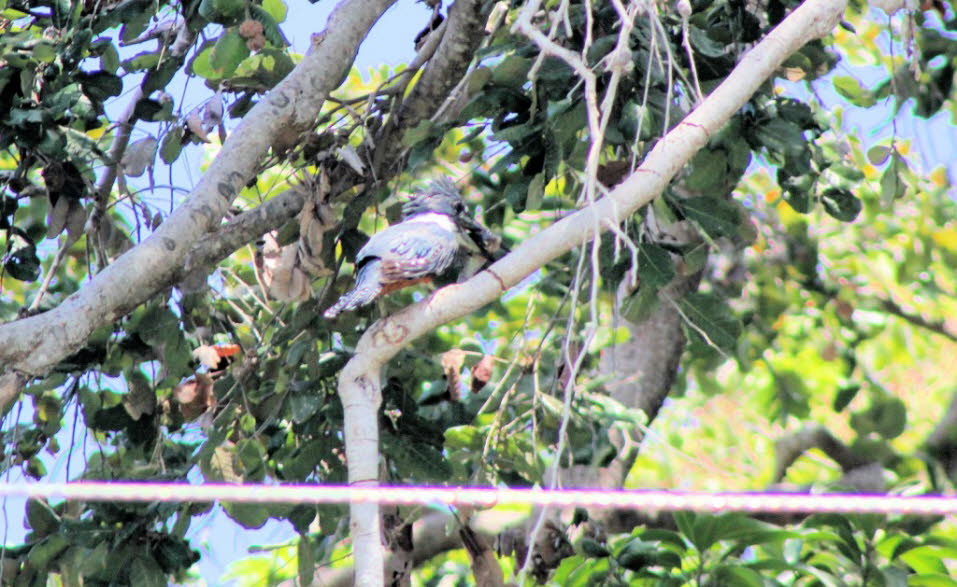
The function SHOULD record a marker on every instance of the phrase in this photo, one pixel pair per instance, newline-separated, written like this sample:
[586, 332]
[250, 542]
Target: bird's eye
[460, 208]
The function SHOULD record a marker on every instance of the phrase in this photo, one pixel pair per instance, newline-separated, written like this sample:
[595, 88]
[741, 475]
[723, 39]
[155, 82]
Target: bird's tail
[367, 288]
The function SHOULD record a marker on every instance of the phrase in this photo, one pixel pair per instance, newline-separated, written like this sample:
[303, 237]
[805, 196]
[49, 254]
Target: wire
[487, 497]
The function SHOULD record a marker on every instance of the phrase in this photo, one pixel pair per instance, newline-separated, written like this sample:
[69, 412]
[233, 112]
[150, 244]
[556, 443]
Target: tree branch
[937, 326]
[462, 36]
[34, 345]
[359, 382]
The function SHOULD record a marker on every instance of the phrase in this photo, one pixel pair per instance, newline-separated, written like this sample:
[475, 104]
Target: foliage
[826, 260]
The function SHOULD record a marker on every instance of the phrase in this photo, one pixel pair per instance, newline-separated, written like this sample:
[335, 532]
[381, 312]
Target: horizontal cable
[487, 497]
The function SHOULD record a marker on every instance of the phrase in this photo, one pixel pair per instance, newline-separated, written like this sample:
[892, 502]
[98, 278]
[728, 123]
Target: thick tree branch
[461, 37]
[33, 345]
[359, 384]
[789, 448]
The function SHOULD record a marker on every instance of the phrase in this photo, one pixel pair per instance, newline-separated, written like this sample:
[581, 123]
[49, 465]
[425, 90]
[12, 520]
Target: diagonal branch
[359, 384]
[937, 326]
[34, 345]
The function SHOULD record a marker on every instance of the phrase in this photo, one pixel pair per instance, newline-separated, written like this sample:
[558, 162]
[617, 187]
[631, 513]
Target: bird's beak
[488, 243]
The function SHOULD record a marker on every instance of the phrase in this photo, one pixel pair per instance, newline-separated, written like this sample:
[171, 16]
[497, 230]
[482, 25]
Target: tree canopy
[731, 268]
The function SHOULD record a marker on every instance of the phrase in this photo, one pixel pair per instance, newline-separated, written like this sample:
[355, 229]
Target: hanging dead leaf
[482, 373]
[452, 362]
[75, 221]
[139, 156]
[213, 110]
[194, 124]
[315, 220]
[348, 154]
[195, 396]
[57, 216]
[281, 273]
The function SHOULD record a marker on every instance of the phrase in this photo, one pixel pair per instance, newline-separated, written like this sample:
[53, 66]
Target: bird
[437, 240]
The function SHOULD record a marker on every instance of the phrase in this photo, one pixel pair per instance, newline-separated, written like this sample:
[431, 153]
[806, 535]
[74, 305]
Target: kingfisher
[437, 240]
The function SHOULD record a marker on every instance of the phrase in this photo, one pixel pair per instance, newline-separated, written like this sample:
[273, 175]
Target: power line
[487, 497]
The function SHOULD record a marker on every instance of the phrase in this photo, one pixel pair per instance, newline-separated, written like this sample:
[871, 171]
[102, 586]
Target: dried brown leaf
[75, 221]
[56, 218]
[194, 123]
[482, 373]
[452, 362]
[315, 220]
[195, 396]
[139, 156]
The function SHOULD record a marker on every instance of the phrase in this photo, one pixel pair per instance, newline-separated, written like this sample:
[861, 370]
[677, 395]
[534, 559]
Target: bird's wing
[411, 250]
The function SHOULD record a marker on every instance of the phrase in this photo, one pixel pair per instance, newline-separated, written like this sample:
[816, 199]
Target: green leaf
[420, 132]
[943, 579]
[271, 29]
[797, 190]
[781, 136]
[43, 554]
[655, 268]
[594, 549]
[264, 69]
[252, 457]
[512, 71]
[851, 89]
[229, 51]
[878, 155]
[23, 264]
[711, 320]
[464, 437]
[144, 571]
[254, 515]
[841, 204]
[639, 306]
[225, 12]
[172, 145]
[200, 63]
[41, 518]
[704, 44]
[142, 61]
[160, 77]
[276, 9]
[893, 186]
[134, 24]
[716, 217]
[709, 169]
[100, 85]
[110, 59]
[729, 574]
[889, 417]
[845, 394]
